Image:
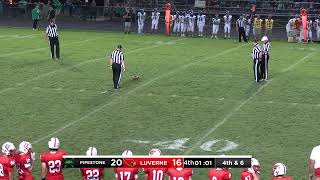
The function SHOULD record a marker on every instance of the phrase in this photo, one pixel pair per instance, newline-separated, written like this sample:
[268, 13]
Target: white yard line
[237, 108]
[17, 85]
[44, 48]
[130, 92]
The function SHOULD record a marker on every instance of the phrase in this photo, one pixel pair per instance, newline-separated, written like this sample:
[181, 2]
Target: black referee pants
[242, 33]
[264, 66]
[116, 69]
[256, 70]
[54, 42]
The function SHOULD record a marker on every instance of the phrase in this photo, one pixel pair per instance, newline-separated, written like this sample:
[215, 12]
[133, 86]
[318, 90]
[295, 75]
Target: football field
[195, 96]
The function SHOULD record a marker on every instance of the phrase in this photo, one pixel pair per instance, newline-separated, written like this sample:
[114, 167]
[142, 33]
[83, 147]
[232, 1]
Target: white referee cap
[264, 38]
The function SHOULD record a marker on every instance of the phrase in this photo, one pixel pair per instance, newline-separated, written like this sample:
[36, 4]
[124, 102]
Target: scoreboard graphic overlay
[157, 162]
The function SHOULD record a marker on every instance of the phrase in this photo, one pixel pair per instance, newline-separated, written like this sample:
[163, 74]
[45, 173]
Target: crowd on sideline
[20, 163]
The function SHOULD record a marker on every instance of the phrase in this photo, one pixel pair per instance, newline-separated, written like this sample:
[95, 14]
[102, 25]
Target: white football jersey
[181, 18]
[141, 16]
[315, 155]
[215, 21]
[227, 19]
[317, 24]
[155, 16]
[202, 19]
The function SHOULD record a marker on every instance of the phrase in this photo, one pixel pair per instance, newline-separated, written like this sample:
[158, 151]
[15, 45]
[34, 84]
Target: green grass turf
[187, 87]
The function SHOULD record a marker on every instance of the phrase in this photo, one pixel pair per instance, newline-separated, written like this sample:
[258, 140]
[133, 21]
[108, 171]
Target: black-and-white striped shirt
[52, 31]
[256, 52]
[266, 47]
[241, 22]
[117, 56]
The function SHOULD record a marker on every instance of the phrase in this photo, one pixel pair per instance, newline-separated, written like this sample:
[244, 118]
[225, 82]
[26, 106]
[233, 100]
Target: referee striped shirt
[256, 52]
[52, 31]
[266, 48]
[241, 22]
[117, 56]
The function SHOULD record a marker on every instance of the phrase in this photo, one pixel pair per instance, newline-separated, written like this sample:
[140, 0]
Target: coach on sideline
[52, 37]
[118, 66]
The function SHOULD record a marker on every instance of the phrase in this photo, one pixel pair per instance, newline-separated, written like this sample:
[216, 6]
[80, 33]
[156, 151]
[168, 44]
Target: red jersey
[13, 157]
[126, 173]
[53, 162]
[6, 166]
[24, 162]
[92, 173]
[246, 175]
[183, 174]
[282, 178]
[155, 173]
[219, 174]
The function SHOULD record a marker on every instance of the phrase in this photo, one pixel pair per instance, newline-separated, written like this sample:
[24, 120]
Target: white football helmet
[92, 151]
[127, 153]
[25, 147]
[255, 166]
[279, 169]
[7, 148]
[155, 152]
[54, 143]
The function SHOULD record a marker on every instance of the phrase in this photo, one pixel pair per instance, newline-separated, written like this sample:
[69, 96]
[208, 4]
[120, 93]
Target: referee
[118, 66]
[265, 58]
[52, 37]
[256, 56]
[240, 28]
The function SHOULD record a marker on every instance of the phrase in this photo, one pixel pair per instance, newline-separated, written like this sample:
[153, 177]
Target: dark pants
[35, 23]
[242, 33]
[264, 66]
[256, 70]
[116, 69]
[54, 42]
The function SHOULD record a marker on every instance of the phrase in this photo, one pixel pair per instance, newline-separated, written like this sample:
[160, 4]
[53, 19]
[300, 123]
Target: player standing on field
[155, 173]
[314, 164]
[141, 18]
[126, 173]
[309, 25]
[279, 172]
[187, 22]
[176, 21]
[247, 25]
[6, 162]
[180, 173]
[192, 23]
[155, 20]
[227, 24]
[92, 173]
[182, 21]
[215, 26]
[219, 174]
[201, 22]
[317, 27]
[252, 173]
[51, 161]
[25, 161]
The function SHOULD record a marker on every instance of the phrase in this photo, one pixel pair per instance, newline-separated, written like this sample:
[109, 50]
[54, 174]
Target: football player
[180, 173]
[309, 26]
[219, 174]
[182, 21]
[252, 173]
[317, 27]
[155, 173]
[176, 20]
[201, 22]
[192, 23]
[215, 26]
[7, 163]
[279, 172]
[92, 173]
[126, 173]
[141, 18]
[155, 20]
[25, 161]
[227, 24]
[51, 161]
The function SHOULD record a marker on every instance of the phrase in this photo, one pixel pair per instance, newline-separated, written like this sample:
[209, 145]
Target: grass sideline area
[195, 96]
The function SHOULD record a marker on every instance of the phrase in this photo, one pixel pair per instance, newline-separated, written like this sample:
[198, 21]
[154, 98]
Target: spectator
[69, 7]
[1, 7]
[22, 6]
